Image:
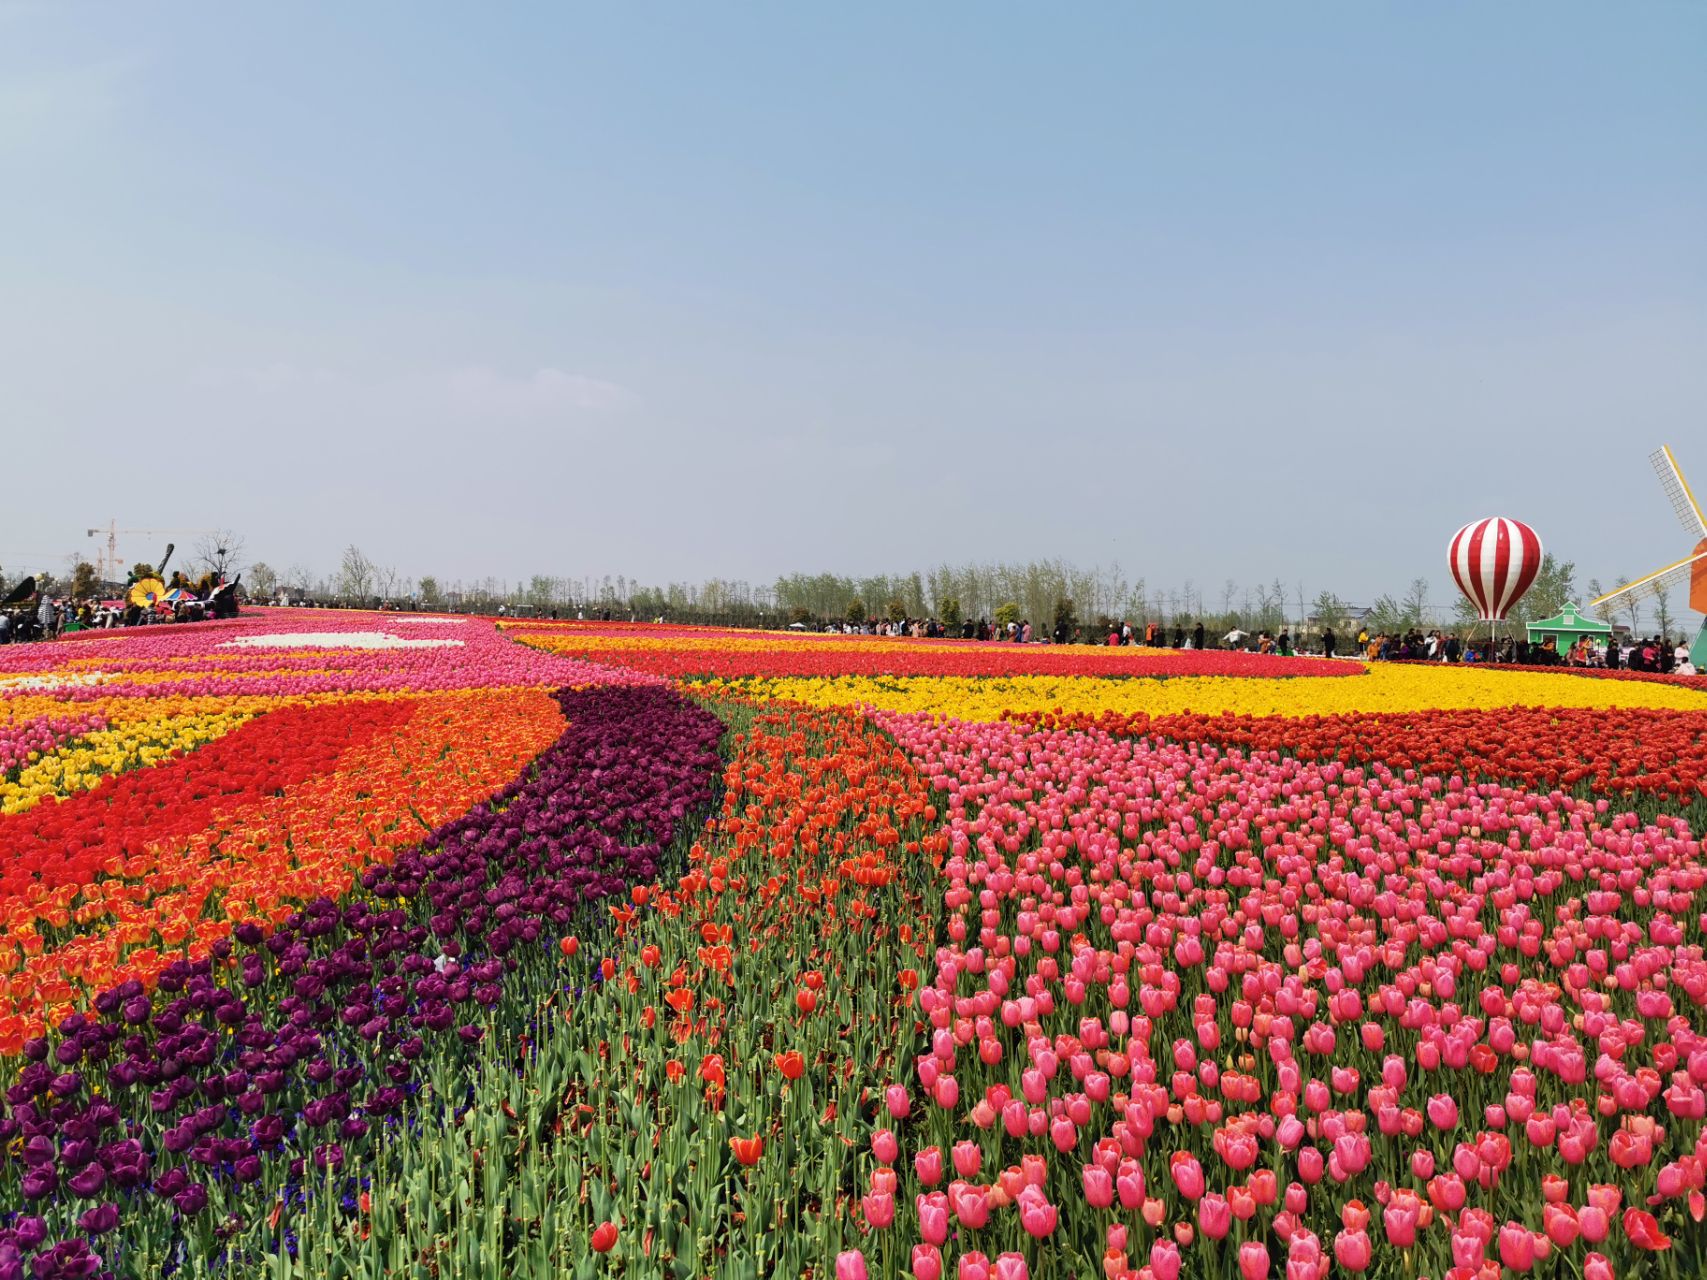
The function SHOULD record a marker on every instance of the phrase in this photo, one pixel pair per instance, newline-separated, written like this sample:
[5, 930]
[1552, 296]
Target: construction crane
[111, 568]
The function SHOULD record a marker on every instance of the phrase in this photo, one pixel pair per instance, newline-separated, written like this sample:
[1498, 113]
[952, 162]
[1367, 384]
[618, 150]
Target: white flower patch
[339, 640]
[36, 684]
[427, 622]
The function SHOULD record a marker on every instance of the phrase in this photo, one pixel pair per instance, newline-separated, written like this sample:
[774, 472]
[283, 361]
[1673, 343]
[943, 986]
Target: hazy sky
[679, 290]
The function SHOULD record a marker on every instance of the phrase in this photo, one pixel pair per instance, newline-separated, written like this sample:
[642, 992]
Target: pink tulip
[1517, 1247]
[933, 1218]
[879, 1209]
[1468, 1249]
[947, 1092]
[1187, 1174]
[895, 1098]
[928, 1165]
[850, 1265]
[1036, 1215]
[968, 1159]
[1165, 1260]
[1011, 1266]
[1594, 1223]
[1253, 1260]
[972, 1207]
[1352, 1250]
[1099, 1187]
[1400, 1221]
[885, 1146]
[1442, 1111]
[1129, 1182]
[1214, 1216]
[927, 1262]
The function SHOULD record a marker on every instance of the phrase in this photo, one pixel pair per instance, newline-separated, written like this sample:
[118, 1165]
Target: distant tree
[355, 573]
[263, 582]
[801, 614]
[1631, 606]
[85, 581]
[896, 609]
[1604, 609]
[1330, 610]
[1415, 601]
[140, 570]
[1662, 611]
[1554, 587]
[1006, 612]
[951, 615]
[1386, 615]
[856, 610]
[299, 578]
[431, 596]
[221, 554]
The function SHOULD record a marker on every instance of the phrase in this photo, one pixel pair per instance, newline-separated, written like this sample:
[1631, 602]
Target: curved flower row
[787, 655]
[1624, 752]
[283, 1053]
[291, 653]
[1387, 688]
[159, 865]
[25, 740]
[753, 1002]
[1697, 681]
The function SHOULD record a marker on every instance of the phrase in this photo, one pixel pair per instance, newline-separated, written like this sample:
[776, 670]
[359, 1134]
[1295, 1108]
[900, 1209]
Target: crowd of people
[1654, 654]
[1416, 645]
[44, 616]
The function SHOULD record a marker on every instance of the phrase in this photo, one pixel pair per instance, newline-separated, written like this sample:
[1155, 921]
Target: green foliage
[1554, 588]
[1329, 611]
[949, 612]
[856, 610]
[261, 581]
[84, 581]
[1007, 612]
[896, 609]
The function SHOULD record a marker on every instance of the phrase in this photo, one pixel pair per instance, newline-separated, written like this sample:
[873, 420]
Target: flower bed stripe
[283, 1053]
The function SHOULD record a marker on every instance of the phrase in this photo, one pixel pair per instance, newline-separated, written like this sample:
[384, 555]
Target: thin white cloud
[543, 393]
[469, 393]
[45, 108]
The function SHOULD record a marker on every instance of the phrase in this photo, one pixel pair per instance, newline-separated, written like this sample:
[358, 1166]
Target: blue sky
[674, 291]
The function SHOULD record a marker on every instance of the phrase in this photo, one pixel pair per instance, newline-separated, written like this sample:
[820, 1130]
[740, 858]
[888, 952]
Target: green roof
[1571, 622]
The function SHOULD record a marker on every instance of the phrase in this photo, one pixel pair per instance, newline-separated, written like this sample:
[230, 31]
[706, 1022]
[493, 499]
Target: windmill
[1692, 568]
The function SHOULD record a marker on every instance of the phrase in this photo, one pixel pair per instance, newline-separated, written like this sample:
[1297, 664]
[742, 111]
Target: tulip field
[342, 944]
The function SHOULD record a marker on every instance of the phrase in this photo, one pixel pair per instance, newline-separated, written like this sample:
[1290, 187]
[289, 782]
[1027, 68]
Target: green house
[1567, 628]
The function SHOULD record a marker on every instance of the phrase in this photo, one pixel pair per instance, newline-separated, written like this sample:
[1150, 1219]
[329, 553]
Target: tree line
[1043, 592]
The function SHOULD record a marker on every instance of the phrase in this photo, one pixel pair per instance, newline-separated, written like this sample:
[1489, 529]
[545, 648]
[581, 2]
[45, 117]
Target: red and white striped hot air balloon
[1494, 561]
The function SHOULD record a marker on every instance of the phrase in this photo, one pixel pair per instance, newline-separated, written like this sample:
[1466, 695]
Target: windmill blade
[1660, 580]
[1678, 492]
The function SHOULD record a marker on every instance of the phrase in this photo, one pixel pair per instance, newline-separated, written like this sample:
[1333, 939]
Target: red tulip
[1644, 1230]
[748, 1150]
